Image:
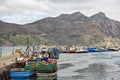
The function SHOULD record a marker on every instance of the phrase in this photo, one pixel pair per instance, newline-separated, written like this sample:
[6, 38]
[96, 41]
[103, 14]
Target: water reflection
[38, 78]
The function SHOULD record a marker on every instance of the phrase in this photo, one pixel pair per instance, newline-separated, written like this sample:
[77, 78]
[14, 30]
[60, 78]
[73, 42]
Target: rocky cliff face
[75, 28]
[106, 25]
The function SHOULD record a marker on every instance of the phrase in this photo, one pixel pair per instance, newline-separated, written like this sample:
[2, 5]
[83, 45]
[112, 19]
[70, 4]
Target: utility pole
[0, 45]
[12, 44]
[13, 47]
[1, 48]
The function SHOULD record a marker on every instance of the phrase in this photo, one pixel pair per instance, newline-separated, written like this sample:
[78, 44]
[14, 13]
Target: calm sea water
[8, 50]
[87, 66]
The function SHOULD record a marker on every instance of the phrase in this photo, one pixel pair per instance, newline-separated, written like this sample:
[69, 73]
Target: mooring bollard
[4, 63]
[12, 60]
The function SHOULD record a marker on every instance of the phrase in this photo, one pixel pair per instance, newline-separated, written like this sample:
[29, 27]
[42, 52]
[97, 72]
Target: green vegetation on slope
[32, 40]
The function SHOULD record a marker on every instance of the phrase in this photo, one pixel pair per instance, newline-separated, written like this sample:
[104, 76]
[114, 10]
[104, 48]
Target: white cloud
[23, 11]
[110, 8]
[70, 1]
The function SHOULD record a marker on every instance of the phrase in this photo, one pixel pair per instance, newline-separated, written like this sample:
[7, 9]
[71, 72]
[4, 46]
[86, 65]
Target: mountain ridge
[75, 28]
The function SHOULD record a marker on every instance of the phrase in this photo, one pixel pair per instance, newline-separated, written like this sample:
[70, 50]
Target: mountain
[76, 28]
[10, 31]
[107, 26]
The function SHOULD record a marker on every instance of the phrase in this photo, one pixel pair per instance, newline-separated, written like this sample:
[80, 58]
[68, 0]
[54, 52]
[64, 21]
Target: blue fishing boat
[94, 50]
[23, 70]
[21, 73]
[27, 78]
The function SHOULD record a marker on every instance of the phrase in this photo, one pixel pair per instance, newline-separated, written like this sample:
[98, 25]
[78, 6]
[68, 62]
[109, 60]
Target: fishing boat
[28, 78]
[23, 69]
[47, 76]
[81, 50]
[48, 68]
[113, 49]
[16, 73]
[94, 50]
[70, 49]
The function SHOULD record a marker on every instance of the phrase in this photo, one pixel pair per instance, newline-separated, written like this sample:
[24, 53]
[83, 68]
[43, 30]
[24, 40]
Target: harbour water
[87, 66]
[8, 50]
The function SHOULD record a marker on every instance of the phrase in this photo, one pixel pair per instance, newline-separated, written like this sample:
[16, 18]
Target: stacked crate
[50, 67]
[30, 66]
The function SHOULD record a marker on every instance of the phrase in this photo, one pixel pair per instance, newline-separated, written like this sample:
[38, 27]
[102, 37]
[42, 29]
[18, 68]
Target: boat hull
[21, 74]
[46, 74]
[94, 50]
[81, 51]
[110, 49]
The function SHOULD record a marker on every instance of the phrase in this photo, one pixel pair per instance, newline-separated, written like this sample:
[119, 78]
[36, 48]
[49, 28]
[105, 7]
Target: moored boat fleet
[43, 61]
[73, 49]
[40, 62]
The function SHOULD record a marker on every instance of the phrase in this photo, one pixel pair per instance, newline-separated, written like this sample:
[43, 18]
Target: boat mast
[27, 44]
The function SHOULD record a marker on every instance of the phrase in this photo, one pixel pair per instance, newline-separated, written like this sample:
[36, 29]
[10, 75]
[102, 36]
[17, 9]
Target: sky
[27, 11]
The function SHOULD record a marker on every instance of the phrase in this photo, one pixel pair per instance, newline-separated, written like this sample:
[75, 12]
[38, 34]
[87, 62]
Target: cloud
[22, 11]
[25, 11]
[2, 1]
[70, 1]
[110, 8]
